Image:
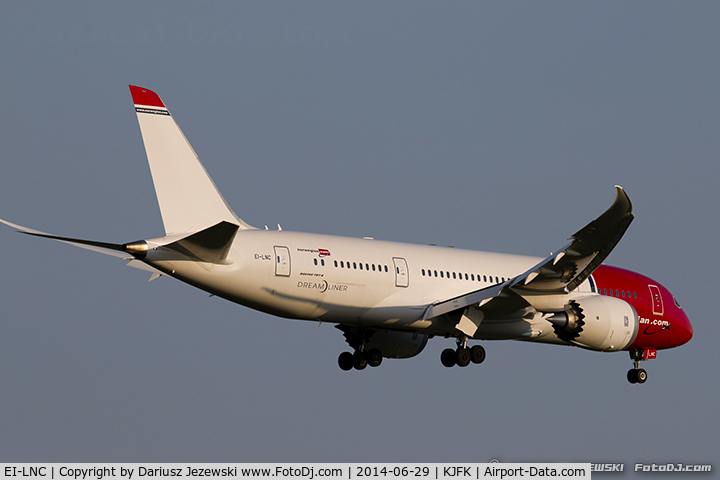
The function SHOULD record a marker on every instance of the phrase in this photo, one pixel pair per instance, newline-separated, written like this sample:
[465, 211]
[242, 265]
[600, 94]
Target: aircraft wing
[562, 272]
[558, 274]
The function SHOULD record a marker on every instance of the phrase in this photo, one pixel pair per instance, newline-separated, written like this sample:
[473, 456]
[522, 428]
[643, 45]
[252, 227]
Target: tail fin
[189, 200]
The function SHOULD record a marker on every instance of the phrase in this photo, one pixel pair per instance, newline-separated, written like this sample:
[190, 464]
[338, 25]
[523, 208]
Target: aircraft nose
[684, 333]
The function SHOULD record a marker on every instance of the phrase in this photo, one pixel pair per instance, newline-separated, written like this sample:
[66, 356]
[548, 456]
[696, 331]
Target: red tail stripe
[143, 96]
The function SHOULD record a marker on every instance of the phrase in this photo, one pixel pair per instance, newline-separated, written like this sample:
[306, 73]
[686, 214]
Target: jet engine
[596, 322]
[393, 344]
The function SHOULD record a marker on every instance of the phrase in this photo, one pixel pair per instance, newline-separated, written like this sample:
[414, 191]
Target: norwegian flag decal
[324, 252]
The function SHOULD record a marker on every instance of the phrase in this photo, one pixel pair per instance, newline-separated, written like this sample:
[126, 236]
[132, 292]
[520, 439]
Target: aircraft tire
[345, 361]
[477, 354]
[374, 357]
[632, 375]
[641, 376]
[463, 357]
[448, 357]
[360, 361]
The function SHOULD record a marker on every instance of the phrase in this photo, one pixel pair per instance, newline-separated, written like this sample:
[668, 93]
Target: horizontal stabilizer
[210, 245]
[140, 265]
[114, 249]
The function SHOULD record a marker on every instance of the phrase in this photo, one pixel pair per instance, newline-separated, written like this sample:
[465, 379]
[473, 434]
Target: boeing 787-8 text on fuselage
[389, 298]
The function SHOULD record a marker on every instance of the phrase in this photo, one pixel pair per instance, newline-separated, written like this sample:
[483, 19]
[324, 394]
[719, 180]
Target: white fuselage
[362, 282]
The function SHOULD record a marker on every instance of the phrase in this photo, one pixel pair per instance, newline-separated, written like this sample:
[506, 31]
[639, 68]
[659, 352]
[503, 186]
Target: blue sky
[499, 126]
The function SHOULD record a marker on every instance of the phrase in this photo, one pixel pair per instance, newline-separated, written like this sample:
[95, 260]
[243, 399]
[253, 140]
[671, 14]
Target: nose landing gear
[636, 374]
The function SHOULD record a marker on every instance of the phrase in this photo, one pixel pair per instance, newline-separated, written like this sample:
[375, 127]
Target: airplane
[389, 298]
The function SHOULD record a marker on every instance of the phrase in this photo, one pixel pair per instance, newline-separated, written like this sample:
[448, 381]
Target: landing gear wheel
[374, 357]
[448, 357]
[641, 375]
[463, 356]
[477, 354]
[632, 375]
[360, 360]
[345, 361]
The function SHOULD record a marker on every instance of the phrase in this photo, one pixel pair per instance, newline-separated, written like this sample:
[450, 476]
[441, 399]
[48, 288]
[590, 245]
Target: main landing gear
[462, 355]
[357, 339]
[639, 375]
[360, 359]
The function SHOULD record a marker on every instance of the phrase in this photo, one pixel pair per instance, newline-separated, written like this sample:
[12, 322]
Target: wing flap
[479, 297]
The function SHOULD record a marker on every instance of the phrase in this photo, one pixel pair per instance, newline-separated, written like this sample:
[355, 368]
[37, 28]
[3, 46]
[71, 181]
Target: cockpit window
[676, 302]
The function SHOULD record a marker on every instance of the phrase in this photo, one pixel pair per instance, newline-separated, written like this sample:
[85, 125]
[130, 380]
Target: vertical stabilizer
[189, 200]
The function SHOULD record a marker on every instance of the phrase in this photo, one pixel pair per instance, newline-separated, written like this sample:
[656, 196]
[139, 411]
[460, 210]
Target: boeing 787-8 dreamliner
[389, 298]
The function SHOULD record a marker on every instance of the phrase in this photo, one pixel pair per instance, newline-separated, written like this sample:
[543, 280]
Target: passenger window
[355, 265]
[466, 276]
[448, 274]
[472, 277]
[484, 278]
[453, 275]
[361, 266]
[634, 294]
[423, 272]
[367, 267]
[374, 268]
[441, 274]
[622, 292]
[322, 262]
[315, 260]
[386, 269]
[435, 273]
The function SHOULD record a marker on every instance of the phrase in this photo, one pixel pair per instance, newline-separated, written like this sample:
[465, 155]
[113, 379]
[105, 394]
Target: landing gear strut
[462, 355]
[636, 374]
[361, 358]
